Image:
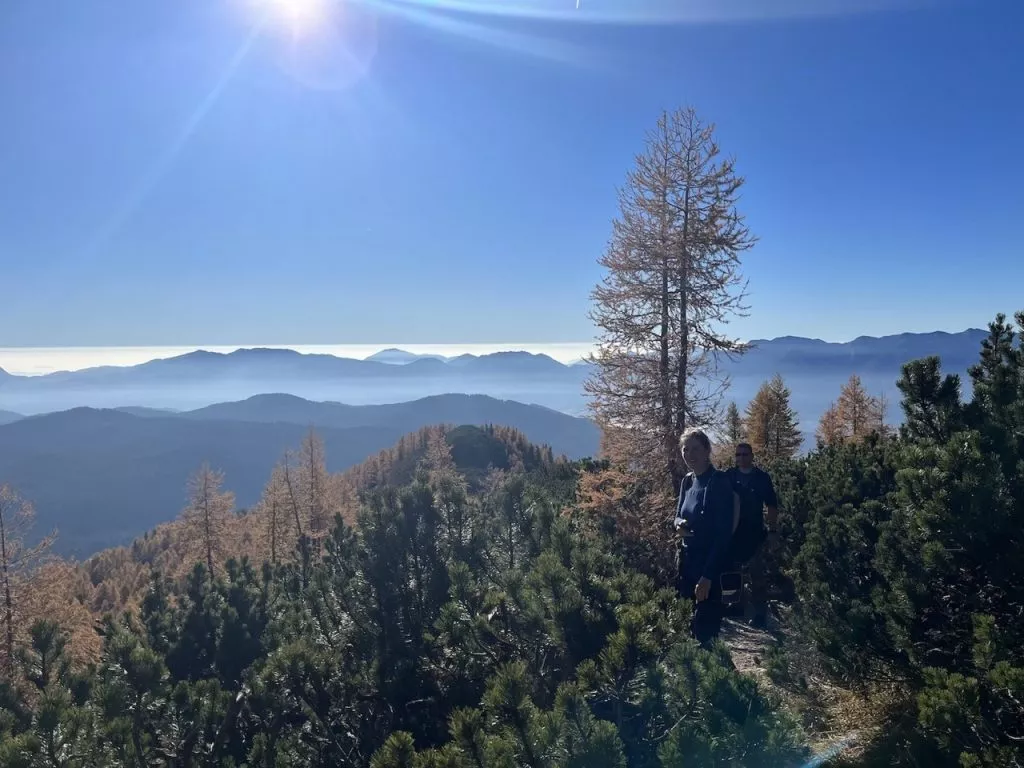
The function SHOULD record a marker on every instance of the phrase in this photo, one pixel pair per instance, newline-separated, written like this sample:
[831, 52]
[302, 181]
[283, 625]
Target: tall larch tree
[316, 485]
[854, 416]
[279, 536]
[207, 516]
[18, 561]
[773, 427]
[673, 283]
[857, 408]
[291, 477]
[831, 430]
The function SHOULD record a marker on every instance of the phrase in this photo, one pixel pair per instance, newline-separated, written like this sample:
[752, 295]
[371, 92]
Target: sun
[299, 15]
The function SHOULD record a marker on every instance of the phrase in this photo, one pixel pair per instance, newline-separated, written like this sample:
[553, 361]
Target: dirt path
[838, 722]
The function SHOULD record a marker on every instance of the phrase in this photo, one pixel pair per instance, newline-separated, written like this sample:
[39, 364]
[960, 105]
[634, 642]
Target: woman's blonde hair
[695, 433]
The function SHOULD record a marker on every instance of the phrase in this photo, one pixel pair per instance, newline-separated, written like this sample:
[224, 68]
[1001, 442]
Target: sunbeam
[658, 11]
[538, 46]
[149, 181]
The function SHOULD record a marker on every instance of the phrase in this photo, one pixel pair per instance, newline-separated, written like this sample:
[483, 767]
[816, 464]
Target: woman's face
[696, 455]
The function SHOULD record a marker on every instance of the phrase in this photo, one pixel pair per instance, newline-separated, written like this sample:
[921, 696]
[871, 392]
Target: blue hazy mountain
[104, 476]
[7, 417]
[569, 435]
[401, 357]
[863, 355]
[814, 369]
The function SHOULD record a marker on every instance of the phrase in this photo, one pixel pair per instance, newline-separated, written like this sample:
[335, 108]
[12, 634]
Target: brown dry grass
[836, 719]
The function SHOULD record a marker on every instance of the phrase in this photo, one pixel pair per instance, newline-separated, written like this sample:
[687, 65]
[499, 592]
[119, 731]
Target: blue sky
[178, 173]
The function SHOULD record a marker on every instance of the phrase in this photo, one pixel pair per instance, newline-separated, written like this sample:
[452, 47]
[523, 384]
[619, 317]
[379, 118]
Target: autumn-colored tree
[273, 511]
[437, 460]
[292, 490]
[773, 428]
[831, 430]
[316, 485]
[55, 593]
[346, 494]
[672, 283]
[619, 505]
[854, 416]
[18, 562]
[857, 408]
[207, 515]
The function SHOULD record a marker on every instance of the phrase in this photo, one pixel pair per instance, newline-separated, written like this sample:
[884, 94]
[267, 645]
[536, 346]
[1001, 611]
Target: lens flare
[300, 16]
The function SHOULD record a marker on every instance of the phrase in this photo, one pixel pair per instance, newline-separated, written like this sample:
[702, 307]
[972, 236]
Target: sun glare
[299, 15]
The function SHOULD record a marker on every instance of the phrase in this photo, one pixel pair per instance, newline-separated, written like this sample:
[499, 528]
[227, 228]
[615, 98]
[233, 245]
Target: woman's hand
[702, 590]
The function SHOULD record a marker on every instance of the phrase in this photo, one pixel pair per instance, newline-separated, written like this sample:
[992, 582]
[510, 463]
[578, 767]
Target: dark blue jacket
[707, 550]
[760, 482]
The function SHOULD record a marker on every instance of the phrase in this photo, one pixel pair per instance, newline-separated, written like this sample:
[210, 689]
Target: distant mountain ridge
[395, 356]
[863, 354]
[103, 476]
[814, 367]
[573, 436]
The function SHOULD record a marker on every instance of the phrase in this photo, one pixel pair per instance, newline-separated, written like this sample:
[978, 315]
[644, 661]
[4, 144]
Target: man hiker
[706, 513]
[759, 518]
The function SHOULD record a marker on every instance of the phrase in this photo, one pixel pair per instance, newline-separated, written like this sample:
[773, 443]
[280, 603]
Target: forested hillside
[447, 628]
[477, 608]
[104, 477]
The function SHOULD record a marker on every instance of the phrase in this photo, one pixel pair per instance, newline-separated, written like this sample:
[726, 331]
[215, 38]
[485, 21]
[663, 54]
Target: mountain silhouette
[569, 435]
[103, 476]
[815, 369]
[401, 357]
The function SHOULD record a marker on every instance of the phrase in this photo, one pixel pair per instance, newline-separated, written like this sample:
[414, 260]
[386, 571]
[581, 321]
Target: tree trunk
[273, 531]
[8, 600]
[208, 526]
[664, 372]
[684, 332]
[291, 497]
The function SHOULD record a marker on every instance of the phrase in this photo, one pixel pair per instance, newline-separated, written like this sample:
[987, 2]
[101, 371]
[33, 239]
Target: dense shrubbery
[902, 555]
[907, 556]
[446, 629]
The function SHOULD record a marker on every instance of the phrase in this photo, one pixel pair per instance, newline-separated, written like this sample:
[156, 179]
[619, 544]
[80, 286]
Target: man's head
[744, 456]
[696, 449]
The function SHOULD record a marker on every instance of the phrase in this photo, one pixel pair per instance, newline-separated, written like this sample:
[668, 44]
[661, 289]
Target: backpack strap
[683, 488]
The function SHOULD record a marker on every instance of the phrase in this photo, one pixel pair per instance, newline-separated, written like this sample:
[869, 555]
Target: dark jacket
[706, 502]
[759, 481]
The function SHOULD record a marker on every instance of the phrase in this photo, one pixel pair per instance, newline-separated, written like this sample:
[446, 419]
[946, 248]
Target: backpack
[750, 532]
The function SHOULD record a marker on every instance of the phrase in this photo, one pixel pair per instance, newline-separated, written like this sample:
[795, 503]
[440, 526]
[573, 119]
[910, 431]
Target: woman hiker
[708, 512]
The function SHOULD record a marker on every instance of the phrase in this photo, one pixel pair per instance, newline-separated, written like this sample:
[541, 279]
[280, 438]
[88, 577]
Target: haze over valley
[814, 369]
[104, 451]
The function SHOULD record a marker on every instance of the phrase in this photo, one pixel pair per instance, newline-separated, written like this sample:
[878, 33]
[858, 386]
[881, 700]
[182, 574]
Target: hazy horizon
[37, 361]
